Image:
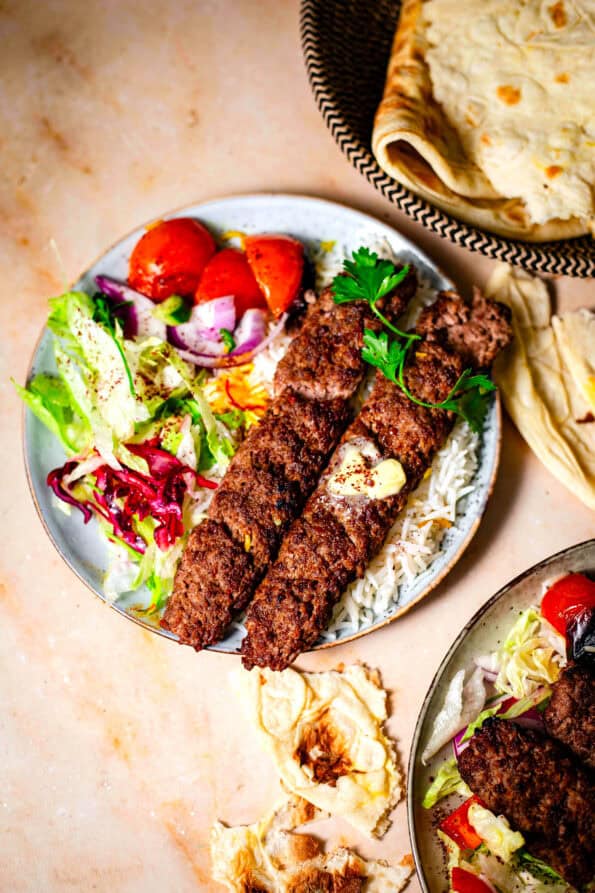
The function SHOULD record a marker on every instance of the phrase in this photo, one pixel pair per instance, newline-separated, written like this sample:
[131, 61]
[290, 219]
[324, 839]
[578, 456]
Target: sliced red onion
[209, 362]
[220, 313]
[489, 675]
[55, 480]
[250, 332]
[195, 337]
[273, 332]
[458, 745]
[233, 358]
[138, 320]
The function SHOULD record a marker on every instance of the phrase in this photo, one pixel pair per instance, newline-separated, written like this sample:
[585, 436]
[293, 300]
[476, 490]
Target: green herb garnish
[228, 339]
[106, 314]
[174, 311]
[370, 279]
[538, 868]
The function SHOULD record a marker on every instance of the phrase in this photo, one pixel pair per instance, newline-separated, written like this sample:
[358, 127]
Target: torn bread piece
[325, 733]
[267, 856]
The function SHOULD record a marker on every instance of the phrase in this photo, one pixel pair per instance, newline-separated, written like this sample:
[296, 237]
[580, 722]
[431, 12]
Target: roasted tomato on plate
[170, 258]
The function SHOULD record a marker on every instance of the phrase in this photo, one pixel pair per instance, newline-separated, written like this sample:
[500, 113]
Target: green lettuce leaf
[448, 781]
[218, 441]
[173, 311]
[49, 398]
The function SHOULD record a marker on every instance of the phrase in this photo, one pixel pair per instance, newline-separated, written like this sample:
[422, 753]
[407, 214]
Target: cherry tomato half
[229, 273]
[566, 598]
[278, 264]
[466, 882]
[170, 258]
[458, 827]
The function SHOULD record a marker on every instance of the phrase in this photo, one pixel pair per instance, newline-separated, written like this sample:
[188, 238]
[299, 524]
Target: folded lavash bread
[547, 379]
[489, 113]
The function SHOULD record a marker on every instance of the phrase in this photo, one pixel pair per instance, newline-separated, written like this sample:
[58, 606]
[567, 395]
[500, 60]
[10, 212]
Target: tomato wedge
[458, 827]
[170, 258]
[229, 273]
[566, 598]
[466, 882]
[278, 264]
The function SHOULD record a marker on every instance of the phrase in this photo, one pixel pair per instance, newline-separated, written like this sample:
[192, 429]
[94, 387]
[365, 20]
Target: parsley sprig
[370, 279]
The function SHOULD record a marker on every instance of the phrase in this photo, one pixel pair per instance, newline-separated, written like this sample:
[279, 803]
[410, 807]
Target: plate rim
[437, 678]
[570, 257]
[365, 218]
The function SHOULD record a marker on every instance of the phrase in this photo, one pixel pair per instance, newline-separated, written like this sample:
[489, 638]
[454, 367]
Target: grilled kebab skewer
[334, 539]
[276, 467]
[570, 714]
[541, 789]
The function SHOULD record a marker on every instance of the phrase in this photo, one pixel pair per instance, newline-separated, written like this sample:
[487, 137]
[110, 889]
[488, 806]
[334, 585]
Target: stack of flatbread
[489, 113]
[547, 379]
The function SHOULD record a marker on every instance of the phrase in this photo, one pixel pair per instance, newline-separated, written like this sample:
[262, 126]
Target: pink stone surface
[118, 749]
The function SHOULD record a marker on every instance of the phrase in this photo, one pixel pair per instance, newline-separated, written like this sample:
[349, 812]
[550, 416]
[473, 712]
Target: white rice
[266, 361]
[415, 539]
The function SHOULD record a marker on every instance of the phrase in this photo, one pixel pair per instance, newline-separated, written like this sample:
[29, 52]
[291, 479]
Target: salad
[485, 854]
[155, 386]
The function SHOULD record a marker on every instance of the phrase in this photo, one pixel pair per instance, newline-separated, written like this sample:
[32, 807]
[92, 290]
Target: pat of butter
[355, 478]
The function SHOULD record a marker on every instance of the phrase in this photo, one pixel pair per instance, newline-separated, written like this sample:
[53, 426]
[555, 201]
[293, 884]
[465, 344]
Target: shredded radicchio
[124, 495]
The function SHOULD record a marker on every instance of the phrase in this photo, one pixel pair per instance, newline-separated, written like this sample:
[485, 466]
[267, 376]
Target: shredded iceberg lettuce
[219, 441]
[111, 401]
[495, 831]
[530, 656]
[448, 781]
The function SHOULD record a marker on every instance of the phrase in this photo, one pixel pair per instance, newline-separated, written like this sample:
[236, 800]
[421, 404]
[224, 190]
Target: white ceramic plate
[312, 221]
[482, 635]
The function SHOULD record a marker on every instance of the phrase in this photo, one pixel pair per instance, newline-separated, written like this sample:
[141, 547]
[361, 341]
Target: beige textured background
[117, 748]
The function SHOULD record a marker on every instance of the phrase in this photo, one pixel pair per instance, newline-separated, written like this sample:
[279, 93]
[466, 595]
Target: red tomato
[170, 258]
[465, 882]
[458, 827]
[278, 264]
[229, 273]
[565, 599]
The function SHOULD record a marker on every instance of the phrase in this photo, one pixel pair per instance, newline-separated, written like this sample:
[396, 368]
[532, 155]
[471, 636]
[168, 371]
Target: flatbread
[325, 734]
[268, 856]
[444, 151]
[545, 378]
